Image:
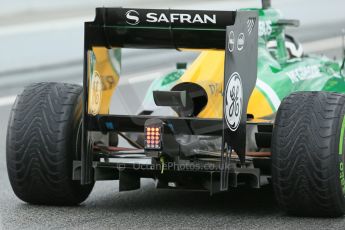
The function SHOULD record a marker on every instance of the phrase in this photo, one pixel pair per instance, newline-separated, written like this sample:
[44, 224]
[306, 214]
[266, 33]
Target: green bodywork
[279, 74]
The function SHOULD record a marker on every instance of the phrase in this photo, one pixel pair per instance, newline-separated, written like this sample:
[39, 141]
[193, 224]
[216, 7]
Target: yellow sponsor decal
[95, 98]
[104, 79]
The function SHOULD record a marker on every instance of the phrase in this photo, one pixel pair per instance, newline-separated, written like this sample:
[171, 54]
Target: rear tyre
[43, 139]
[308, 154]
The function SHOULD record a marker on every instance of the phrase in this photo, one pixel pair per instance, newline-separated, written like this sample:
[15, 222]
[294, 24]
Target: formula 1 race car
[251, 110]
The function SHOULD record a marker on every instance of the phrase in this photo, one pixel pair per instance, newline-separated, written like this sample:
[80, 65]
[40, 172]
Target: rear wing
[146, 28]
[236, 32]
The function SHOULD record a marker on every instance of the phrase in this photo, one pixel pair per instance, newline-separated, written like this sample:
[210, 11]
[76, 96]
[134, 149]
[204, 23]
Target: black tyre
[308, 154]
[43, 139]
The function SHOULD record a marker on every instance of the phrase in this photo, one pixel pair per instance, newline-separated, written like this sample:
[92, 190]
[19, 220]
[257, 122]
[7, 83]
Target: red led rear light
[153, 138]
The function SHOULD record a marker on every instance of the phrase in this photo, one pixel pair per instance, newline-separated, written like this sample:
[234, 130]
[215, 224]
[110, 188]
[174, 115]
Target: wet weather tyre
[43, 139]
[308, 154]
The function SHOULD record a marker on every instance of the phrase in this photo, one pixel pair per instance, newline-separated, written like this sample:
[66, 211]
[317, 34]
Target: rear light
[153, 137]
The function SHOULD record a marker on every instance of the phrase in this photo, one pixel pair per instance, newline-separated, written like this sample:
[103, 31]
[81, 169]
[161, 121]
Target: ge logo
[233, 101]
[132, 17]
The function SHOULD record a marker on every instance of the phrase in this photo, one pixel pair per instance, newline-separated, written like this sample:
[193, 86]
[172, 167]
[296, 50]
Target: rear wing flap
[152, 28]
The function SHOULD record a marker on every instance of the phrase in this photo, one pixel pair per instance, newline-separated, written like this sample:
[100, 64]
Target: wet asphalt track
[146, 208]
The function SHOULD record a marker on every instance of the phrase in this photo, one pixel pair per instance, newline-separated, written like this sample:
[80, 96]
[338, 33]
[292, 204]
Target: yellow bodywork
[207, 71]
[103, 79]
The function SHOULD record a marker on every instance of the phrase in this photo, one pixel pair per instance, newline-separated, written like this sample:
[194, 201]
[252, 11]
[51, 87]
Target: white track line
[138, 78]
[8, 100]
[125, 80]
[310, 47]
